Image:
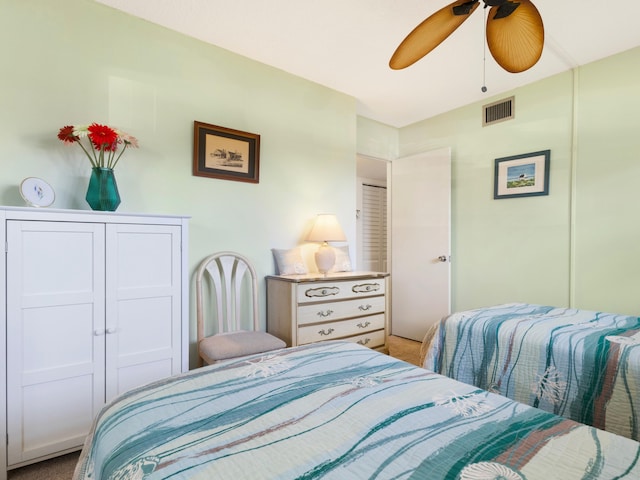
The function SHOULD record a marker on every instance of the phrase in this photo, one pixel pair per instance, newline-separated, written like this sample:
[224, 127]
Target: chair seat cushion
[237, 344]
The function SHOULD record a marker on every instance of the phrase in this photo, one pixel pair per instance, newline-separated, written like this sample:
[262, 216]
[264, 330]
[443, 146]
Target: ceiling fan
[515, 33]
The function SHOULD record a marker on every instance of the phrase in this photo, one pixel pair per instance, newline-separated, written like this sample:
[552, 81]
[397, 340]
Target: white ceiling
[346, 45]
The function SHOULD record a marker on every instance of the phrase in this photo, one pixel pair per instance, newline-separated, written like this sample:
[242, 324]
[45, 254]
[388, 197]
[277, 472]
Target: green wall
[77, 62]
[607, 173]
[577, 246]
[376, 139]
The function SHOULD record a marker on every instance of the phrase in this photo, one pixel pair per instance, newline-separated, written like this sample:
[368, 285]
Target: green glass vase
[102, 193]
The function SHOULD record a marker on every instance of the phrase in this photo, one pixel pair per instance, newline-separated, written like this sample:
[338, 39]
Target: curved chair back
[230, 274]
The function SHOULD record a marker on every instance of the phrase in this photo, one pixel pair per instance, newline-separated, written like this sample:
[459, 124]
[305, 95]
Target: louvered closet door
[55, 315]
[143, 305]
[374, 228]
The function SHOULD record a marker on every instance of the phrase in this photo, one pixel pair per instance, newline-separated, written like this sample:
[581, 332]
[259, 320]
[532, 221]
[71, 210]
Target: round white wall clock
[36, 192]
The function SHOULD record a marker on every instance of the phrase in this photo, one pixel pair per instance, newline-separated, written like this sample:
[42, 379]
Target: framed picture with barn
[225, 153]
[522, 175]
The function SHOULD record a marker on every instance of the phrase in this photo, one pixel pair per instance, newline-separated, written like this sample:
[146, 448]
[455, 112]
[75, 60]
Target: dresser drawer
[370, 339]
[322, 312]
[340, 329]
[329, 291]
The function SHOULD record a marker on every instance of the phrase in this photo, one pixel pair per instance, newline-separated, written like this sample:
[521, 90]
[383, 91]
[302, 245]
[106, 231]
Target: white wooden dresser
[95, 303]
[313, 308]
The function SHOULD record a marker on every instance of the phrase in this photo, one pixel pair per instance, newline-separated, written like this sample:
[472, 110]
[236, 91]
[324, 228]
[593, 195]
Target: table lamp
[326, 229]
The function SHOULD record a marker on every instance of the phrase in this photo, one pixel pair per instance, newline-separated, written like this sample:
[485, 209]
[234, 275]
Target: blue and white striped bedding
[580, 364]
[337, 410]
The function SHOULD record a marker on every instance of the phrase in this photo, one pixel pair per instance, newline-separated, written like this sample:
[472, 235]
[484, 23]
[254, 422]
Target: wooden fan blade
[429, 34]
[516, 41]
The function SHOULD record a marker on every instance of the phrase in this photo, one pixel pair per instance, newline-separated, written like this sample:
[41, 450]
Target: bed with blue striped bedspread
[580, 364]
[337, 410]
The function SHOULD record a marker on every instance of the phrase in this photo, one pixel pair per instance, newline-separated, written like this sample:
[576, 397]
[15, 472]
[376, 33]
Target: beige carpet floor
[61, 468]
[404, 349]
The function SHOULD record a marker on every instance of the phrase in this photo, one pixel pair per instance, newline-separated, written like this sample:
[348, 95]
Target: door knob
[442, 258]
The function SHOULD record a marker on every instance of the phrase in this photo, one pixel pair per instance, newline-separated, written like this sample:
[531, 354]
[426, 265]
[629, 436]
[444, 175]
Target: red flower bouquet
[103, 142]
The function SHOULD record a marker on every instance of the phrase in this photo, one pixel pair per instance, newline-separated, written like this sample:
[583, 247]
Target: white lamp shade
[326, 229]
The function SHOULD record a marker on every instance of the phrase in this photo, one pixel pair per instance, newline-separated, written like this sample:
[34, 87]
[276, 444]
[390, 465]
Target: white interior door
[420, 242]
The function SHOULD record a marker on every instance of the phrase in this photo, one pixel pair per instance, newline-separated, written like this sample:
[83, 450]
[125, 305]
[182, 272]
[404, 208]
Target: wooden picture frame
[525, 175]
[225, 153]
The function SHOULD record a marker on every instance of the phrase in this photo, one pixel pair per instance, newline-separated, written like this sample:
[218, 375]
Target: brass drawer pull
[364, 308]
[326, 332]
[364, 341]
[324, 314]
[321, 292]
[366, 324]
[366, 288]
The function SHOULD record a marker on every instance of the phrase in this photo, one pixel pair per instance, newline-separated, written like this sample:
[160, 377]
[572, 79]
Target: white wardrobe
[96, 304]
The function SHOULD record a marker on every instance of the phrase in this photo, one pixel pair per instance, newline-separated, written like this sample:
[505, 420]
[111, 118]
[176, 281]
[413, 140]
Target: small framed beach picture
[220, 152]
[523, 175]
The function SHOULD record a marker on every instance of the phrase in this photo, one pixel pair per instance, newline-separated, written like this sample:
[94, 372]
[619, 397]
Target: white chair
[233, 291]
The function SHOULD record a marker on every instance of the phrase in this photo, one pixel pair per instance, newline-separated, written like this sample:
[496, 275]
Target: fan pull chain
[484, 53]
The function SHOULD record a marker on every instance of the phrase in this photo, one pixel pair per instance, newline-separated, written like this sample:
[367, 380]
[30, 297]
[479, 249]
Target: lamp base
[325, 258]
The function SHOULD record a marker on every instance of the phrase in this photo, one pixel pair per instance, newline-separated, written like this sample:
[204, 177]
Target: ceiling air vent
[498, 111]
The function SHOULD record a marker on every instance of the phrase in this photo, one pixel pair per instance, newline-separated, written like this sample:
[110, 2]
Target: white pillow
[343, 262]
[289, 262]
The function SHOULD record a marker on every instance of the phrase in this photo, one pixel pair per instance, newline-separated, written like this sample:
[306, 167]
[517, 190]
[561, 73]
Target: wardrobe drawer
[329, 291]
[340, 329]
[322, 312]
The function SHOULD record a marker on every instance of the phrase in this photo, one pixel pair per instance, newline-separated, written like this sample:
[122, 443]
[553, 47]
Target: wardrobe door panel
[55, 320]
[143, 305]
